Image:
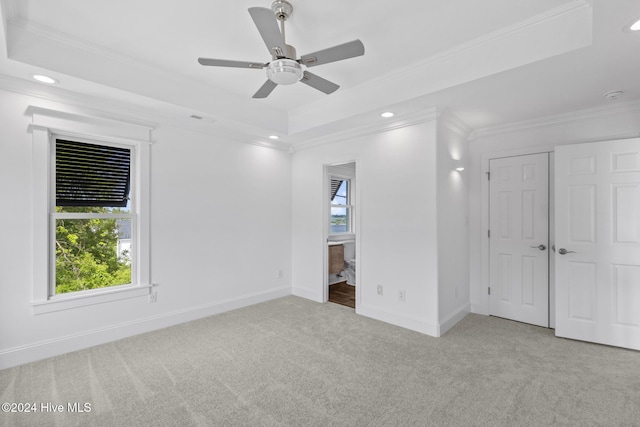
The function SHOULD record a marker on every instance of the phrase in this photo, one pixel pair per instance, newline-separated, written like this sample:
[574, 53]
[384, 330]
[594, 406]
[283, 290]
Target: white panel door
[519, 238]
[598, 242]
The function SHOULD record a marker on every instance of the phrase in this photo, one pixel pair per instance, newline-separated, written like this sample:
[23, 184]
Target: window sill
[82, 299]
[341, 238]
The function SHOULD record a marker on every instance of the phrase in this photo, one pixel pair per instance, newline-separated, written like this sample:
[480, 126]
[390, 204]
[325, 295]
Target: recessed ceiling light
[274, 137]
[632, 26]
[45, 79]
[387, 114]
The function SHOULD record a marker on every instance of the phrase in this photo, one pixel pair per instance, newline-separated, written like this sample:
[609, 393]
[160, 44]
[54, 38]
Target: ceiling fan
[284, 68]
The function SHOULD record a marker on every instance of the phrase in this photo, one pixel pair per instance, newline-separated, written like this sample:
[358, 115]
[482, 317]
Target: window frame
[45, 127]
[54, 216]
[348, 206]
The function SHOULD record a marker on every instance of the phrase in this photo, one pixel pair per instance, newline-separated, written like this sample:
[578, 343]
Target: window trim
[46, 125]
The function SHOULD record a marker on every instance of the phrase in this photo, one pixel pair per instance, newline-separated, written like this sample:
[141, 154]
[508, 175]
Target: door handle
[541, 247]
[563, 251]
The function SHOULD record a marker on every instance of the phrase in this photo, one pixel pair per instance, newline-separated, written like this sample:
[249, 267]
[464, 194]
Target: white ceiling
[490, 62]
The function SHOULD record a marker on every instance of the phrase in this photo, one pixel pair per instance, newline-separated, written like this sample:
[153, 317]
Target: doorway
[519, 238]
[339, 209]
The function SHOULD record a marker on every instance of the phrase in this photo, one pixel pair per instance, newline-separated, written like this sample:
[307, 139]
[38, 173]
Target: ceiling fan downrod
[282, 9]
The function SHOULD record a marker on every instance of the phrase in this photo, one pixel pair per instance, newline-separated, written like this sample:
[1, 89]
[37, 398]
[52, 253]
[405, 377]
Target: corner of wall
[312, 295]
[453, 318]
[415, 324]
[453, 220]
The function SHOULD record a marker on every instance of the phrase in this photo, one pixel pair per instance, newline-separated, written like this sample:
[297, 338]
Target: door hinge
[489, 233]
[489, 290]
[488, 176]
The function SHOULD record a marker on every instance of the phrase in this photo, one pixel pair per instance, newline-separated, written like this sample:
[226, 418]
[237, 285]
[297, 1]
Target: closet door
[598, 242]
[519, 238]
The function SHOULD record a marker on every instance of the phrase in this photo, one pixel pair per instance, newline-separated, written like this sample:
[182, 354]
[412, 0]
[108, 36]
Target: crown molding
[100, 107]
[502, 33]
[455, 124]
[415, 118]
[239, 132]
[130, 113]
[20, 27]
[447, 118]
[450, 68]
[558, 119]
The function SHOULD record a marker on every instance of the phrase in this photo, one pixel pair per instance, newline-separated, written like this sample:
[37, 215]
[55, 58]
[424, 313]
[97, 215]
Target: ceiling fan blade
[332, 54]
[319, 83]
[265, 89]
[226, 63]
[267, 25]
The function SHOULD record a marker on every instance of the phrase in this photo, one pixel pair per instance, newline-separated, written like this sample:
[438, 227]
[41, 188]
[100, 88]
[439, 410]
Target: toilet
[350, 271]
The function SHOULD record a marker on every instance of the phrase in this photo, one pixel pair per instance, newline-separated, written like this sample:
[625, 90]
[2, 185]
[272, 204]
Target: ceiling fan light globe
[284, 71]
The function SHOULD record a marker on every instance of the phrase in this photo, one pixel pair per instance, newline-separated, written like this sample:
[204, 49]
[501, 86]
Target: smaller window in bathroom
[341, 208]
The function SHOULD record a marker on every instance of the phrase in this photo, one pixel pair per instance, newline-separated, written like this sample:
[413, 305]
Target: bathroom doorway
[340, 225]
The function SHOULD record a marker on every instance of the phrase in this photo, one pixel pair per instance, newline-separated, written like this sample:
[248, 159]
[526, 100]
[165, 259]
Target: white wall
[453, 226]
[308, 208]
[224, 204]
[228, 205]
[396, 223]
[619, 121]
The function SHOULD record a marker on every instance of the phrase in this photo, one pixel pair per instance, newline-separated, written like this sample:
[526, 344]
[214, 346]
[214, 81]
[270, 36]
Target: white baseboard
[419, 325]
[44, 349]
[479, 309]
[457, 315]
[308, 294]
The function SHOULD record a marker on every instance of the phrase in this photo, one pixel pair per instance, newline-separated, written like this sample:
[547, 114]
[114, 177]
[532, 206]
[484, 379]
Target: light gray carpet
[297, 363]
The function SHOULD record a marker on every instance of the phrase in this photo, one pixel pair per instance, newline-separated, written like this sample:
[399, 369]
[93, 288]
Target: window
[341, 208]
[91, 203]
[92, 216]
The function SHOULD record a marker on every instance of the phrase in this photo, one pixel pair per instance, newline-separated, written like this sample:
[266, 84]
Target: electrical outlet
[280, 274]
[380, 290]
[401, 295]
[153, 297]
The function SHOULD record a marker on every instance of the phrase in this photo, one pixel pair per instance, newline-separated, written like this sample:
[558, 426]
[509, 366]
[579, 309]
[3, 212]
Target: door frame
[326, 185]
[482, 307]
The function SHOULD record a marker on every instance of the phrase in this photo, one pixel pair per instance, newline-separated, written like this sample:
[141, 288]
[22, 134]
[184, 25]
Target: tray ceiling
[488, 62]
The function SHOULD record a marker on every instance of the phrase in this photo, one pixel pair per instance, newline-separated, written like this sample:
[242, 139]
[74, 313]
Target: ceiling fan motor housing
[284, 71]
